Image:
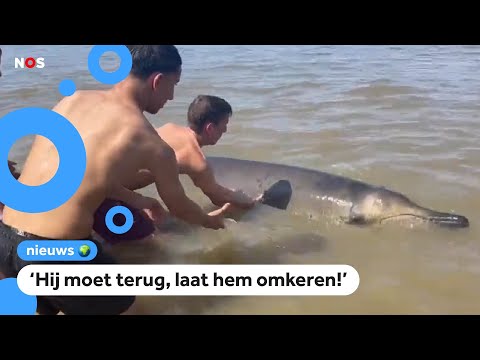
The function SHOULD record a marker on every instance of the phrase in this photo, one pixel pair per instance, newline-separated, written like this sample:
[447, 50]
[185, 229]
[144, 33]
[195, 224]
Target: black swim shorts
[11, 264]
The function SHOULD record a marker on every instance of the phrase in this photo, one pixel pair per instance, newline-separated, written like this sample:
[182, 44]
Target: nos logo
[30, 63]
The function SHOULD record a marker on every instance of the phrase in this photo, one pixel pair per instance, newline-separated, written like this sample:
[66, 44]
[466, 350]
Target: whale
[325, 196]
[316, 194]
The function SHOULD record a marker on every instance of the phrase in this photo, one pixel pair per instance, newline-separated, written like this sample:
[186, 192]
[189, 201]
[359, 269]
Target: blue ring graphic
[107, 77]
[119, 210]
[71, 152]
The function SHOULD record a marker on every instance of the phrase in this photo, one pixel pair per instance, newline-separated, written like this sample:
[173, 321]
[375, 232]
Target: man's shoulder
[197, 163]
[162, 148]
[68, 101]
[84, 96]
[171, 129]
[179, 138]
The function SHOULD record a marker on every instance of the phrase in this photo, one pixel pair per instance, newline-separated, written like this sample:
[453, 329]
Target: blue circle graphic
[119, 210]
[71, 152]
[67, 88]
[107, 77]
[15, 302]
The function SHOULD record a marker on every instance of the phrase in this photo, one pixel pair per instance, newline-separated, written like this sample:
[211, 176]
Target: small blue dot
[67, 87]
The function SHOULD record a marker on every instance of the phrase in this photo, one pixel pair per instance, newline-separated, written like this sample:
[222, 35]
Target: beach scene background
[405, 117]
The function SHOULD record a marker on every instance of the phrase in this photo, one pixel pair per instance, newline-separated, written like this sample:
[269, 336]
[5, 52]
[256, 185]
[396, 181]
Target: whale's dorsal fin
[278, 195]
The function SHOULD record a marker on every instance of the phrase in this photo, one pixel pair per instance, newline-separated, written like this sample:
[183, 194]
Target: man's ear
[156, 80]
[209, 127]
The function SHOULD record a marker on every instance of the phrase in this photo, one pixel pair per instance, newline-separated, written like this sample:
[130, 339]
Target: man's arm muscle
[203, 177]
[164, 169]
[142, 179]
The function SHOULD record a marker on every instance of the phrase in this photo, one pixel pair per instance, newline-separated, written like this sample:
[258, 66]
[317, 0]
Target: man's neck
[131, 90]
[198, 138]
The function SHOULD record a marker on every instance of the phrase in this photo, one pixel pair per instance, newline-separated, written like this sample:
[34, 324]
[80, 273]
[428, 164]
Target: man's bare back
[116, 136]
[182, 140]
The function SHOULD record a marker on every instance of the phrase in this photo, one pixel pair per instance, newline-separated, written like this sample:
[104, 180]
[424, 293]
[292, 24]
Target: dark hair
[207, 108]
[147, 59]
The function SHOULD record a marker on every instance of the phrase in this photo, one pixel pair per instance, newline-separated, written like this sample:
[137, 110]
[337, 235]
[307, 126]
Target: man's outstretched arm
[219, 195]
[164, 168]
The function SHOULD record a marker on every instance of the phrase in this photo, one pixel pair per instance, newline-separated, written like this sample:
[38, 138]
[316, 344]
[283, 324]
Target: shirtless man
[208, 118]
[119, 141]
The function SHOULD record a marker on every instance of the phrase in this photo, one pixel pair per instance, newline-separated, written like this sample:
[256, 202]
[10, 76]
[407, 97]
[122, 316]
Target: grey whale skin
[324, 195]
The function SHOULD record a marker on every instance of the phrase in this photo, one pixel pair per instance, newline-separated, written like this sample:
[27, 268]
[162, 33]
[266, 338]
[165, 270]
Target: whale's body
[323, 195]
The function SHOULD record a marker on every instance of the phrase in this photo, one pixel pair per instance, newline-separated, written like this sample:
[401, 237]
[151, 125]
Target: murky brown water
[403, 117]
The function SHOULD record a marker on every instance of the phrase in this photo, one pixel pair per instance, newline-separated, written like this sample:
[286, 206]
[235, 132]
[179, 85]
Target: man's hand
[215, 218]
[154, 210]
[242, 200]
[150, 206]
